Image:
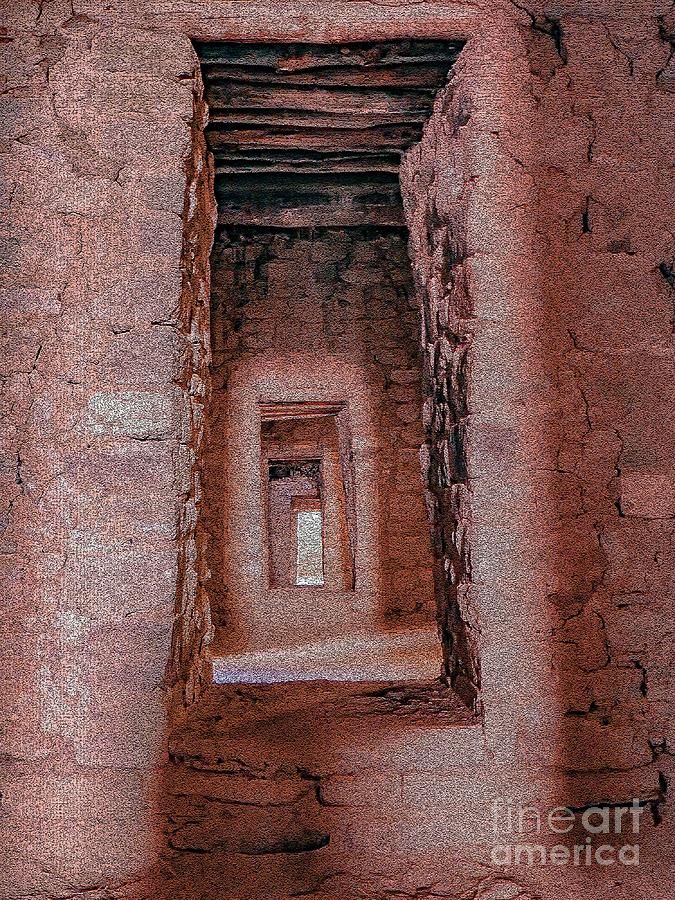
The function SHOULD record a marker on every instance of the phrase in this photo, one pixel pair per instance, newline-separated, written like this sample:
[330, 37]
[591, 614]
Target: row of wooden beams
[312, 134]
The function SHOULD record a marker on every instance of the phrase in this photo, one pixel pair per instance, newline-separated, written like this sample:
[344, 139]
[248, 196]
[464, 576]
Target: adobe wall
[554, 146]
[107, 230]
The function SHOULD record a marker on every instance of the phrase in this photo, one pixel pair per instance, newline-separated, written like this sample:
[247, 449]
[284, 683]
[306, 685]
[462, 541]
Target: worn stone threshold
[228, 718]
[390, 657]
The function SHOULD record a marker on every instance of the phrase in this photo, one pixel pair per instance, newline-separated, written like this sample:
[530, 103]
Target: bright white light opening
[309, 531]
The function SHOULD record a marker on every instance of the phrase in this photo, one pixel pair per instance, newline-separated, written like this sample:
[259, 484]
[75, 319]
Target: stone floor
[392, 656]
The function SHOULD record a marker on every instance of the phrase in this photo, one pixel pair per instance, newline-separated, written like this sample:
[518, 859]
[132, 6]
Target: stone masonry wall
[550, 156]
[192, 629]
[437, 215]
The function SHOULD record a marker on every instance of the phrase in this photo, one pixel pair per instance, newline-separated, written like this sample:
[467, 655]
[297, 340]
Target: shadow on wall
[604, 563]
[560, 703]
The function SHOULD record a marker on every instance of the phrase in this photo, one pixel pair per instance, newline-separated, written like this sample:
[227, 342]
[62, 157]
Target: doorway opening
[321, 543]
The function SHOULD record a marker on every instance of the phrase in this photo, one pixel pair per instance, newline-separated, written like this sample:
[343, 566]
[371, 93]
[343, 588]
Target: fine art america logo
[530, 835]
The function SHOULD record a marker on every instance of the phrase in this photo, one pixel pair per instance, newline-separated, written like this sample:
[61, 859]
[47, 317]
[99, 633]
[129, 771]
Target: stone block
[591, 745]
[372, 790]
[140, 52]
[109, 582]
[140, 415]
[137, 470]
[141, 358]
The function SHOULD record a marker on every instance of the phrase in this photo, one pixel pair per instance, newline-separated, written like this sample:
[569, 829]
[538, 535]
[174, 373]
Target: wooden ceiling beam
[305, 57]
[400, 76]
[386, 137]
